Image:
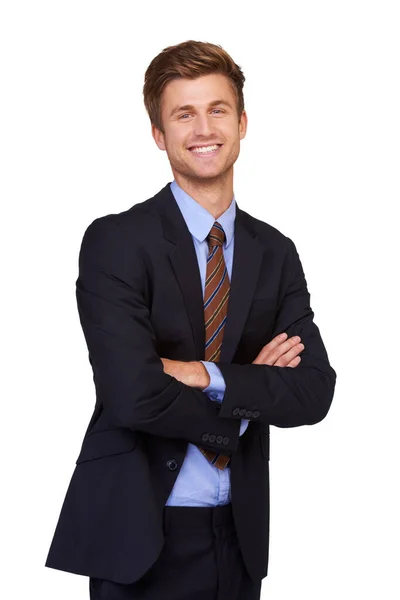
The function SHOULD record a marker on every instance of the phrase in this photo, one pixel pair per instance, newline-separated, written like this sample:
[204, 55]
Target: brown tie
[216, 296]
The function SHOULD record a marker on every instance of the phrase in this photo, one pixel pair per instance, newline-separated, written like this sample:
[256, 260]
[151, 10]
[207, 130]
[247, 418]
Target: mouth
[205, 151]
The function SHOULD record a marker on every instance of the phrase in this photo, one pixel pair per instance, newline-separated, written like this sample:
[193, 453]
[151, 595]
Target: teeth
[204, 149]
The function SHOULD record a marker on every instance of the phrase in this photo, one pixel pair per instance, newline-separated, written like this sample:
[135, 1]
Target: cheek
[231, 136]
[175, 148]
[175, 141]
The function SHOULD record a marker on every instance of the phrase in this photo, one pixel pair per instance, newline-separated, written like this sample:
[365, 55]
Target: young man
[195, 315]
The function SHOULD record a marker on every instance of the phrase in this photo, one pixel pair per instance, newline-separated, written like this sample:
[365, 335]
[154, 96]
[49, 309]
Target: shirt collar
[198, 220]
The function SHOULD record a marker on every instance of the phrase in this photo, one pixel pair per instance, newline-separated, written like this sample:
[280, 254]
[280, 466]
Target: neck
[214, 195]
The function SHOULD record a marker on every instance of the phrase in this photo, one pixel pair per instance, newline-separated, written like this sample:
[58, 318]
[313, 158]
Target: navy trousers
[201, 560]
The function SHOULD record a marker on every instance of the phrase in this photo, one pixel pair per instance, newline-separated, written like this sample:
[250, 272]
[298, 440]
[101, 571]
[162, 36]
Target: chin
[205, 174]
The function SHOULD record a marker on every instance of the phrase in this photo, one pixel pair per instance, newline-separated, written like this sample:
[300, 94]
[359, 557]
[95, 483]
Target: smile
[206, 150]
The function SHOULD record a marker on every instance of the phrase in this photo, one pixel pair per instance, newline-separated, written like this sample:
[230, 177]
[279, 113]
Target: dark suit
[139, 298]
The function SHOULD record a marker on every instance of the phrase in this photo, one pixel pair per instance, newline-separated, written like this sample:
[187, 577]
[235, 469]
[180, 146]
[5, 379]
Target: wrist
[201, 376]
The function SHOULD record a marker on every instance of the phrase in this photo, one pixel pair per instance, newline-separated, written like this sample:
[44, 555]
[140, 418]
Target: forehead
[198, 92]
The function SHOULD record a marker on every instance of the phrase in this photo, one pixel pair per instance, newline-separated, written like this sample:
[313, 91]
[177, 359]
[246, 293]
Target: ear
[158, 137]
[243, 125]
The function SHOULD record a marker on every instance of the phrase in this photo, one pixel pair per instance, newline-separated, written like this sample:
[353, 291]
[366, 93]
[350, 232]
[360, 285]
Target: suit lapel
[247, 257]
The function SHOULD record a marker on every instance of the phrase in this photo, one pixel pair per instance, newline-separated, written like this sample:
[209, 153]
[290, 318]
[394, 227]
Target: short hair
[188, 60]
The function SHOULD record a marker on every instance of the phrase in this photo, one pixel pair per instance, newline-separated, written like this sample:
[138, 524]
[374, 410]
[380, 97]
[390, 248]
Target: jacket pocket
[106, 443]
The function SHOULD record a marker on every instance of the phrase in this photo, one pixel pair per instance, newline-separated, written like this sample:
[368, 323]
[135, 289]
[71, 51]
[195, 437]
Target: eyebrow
[191, 107]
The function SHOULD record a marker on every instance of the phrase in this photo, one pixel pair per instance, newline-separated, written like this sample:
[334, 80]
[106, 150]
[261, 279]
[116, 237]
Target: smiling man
[201, 132]
[200, 334]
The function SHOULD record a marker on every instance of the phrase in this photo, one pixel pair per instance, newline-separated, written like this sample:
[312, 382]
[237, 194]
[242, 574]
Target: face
[199, 113]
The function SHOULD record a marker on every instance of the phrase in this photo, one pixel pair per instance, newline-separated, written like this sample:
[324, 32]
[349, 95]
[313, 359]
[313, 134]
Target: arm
[128, 374]
[279, 396]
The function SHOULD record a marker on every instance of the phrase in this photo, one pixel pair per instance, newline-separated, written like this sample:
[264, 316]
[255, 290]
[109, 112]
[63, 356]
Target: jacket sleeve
[128, 374]
[216, 389]
[285, 396]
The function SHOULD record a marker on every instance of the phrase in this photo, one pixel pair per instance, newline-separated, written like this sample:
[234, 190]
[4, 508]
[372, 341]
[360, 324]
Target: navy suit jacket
[139, 298]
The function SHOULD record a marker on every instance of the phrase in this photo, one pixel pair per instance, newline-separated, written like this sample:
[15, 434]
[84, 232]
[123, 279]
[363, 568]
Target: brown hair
[188, 60]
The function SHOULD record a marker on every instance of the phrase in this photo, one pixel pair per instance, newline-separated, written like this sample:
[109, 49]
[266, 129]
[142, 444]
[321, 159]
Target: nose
[202, 125]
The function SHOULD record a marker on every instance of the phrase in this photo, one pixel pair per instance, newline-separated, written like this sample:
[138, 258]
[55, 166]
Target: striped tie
[216, 296]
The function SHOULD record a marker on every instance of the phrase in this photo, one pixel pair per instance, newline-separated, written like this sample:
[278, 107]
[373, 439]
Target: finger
[276, 341]
[270, 355]
[293, 363]
[284, 360]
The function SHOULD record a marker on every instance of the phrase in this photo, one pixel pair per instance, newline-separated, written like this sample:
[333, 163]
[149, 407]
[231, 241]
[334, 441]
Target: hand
[190, 373]
[280, 352]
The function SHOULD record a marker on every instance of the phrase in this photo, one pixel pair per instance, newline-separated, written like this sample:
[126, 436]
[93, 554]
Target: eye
[218, 110]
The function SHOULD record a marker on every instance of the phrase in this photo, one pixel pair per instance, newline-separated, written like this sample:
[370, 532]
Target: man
[195, 315]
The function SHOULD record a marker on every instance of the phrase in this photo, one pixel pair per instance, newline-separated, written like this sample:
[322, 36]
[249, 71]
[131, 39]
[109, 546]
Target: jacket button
[242, 412]
[212, 438]
[219, 439]
[256, 414]
[225, 441]
[249, 414]
[172, 464]
[235, 412]
[205, 437]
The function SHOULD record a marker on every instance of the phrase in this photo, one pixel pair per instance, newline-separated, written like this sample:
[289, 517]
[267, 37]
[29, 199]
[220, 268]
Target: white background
[320, 162]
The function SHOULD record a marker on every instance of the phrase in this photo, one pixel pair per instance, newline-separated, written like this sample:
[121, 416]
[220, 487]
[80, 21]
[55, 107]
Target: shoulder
[131, 224]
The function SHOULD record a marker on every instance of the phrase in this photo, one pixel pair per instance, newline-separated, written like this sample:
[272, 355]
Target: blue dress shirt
[200, 483]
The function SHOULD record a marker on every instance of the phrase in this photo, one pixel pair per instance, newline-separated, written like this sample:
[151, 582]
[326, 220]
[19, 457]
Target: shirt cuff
[243, 426]
[217, 386]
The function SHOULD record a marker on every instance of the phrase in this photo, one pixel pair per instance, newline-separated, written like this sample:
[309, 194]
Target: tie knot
[216, 236]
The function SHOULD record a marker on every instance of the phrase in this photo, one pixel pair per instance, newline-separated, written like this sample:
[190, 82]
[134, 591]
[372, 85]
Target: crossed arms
[129, 375]
[280, 352]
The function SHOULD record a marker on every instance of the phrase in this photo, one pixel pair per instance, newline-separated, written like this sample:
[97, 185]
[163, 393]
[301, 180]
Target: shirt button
[214, 395]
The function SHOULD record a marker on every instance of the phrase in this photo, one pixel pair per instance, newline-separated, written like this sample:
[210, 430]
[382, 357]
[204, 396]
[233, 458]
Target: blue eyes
[215, 110]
